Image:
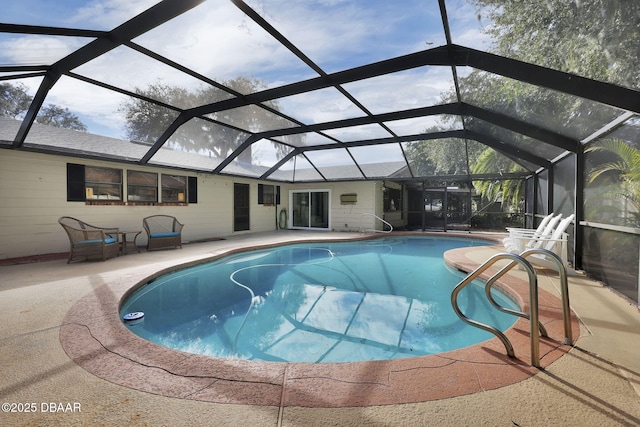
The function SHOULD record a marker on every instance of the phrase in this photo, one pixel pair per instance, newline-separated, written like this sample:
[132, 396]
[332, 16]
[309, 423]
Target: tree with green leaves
[54, 115]
[445, 156]
[509, 191]
[620, 176]
[217, 134]
[15, 101]
[598, 39]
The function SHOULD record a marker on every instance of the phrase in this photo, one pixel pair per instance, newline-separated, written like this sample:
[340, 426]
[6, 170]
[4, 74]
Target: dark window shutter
[277, 195]
[260, 194]
[75, 183]
[192, 189]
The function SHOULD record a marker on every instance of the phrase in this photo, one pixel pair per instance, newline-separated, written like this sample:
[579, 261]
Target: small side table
[126, 243]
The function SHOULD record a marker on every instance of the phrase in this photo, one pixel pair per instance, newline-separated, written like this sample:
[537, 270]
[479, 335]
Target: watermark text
[42, 407]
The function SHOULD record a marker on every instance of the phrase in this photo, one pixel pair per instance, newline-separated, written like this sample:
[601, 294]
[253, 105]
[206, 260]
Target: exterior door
[240, 207]
[435, 208]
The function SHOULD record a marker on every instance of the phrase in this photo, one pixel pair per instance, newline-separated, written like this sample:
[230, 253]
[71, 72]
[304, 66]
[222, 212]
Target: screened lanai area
[474, 114]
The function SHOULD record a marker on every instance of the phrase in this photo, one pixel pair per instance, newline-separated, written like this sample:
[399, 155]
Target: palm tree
[510, 191]
[625, 168]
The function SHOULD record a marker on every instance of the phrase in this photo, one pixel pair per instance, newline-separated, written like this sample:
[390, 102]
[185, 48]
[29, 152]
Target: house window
[98, 184]
[174, 189]
[102, 183]
[142, 186]
[268, 194]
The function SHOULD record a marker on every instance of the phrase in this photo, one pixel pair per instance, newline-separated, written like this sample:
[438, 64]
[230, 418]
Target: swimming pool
[374, 299]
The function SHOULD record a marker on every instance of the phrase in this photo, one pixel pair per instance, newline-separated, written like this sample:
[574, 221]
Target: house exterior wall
[33, 194]
[33, 190]
[349, 216]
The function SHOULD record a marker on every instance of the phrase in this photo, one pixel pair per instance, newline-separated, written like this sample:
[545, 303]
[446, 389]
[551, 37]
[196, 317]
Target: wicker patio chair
[163, 231]
[88, 241]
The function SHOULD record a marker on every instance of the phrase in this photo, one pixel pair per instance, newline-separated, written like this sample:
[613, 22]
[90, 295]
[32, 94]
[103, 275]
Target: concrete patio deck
[595, 383]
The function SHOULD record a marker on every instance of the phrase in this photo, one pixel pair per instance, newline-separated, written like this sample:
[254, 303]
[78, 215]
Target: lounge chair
[521, 239]
[163, 231]
[557, 244]
[514, 232]
[553, 239]
[89, 241]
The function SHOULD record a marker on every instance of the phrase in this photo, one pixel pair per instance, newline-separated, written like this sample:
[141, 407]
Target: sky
[217, 40]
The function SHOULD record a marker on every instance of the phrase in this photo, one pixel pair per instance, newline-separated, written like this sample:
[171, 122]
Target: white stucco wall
[33, 195]
[348, 217]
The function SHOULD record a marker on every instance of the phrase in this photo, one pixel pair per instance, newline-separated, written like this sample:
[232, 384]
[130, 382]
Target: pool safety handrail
[536, 327]
[564, 288]
[564, 291]
[374, 224]
[533, 299]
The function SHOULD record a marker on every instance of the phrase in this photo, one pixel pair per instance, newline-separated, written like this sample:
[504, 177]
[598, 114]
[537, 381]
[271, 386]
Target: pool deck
[61, 342]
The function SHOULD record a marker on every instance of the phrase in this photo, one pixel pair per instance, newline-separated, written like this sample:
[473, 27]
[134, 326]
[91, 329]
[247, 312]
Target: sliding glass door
[310, 209]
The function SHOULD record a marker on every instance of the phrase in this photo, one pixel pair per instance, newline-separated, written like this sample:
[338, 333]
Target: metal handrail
[487, 290]
[374, 225]
[533, 302]
[535, 325]
[564, 288]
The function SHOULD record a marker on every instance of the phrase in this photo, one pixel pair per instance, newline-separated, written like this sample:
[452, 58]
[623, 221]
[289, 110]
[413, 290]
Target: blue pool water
[375, 299]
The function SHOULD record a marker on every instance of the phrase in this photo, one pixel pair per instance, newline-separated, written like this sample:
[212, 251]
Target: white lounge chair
[554, 240]
[527, 232]
[557, 244]
[520, 240]
[541, 227]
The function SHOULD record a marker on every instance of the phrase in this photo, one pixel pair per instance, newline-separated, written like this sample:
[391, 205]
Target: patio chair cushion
[167, 234]
[107, 241]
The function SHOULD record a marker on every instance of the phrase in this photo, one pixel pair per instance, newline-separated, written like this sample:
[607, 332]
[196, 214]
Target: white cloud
[218, 41]
[413, 126]
[121, 68]
[319, 106]
[343, 34]
[473, 38]
[332, 157]
[93, 103]
[416, 88]
[411, 89]
[37, 50]
[359, 133]
[108, 14]
[467, 25]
